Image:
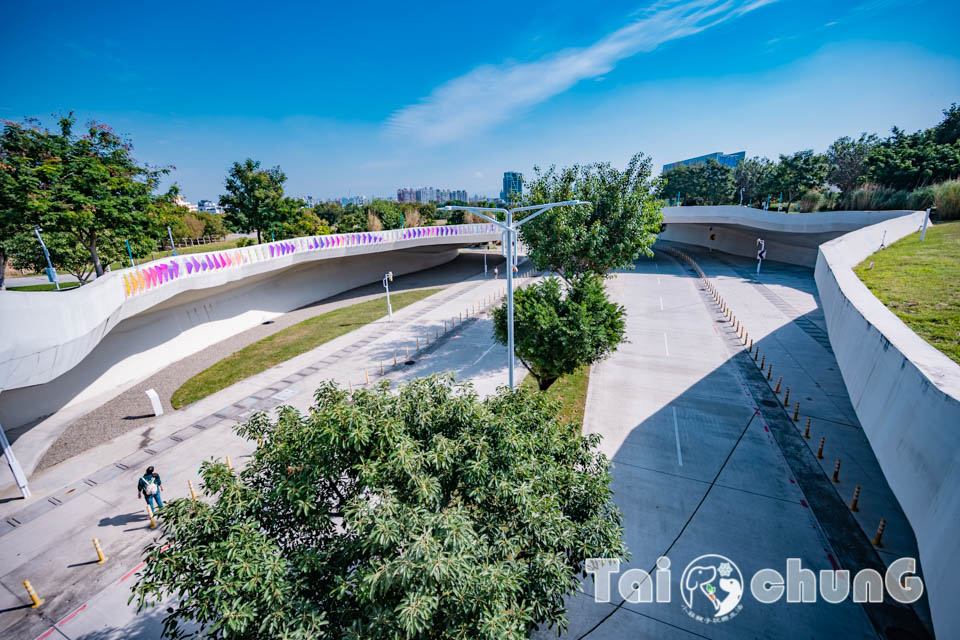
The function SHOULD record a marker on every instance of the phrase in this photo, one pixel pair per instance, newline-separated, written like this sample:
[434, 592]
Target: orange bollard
[820, 450]
[777, 390]
[193, 494]
[786, 398]
[769, 371]
[153, 521]
[806, 433]
[878, 539]
[836, 471]
[796, 412]
[856, 499]
[763, 361]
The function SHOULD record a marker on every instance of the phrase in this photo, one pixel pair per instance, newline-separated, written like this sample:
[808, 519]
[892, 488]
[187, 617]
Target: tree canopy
[88, 187]
[560, 330]
[620, 223]
[421, 513]
[254, 197]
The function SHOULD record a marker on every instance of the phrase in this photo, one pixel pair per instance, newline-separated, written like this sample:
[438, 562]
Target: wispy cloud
[490, 94]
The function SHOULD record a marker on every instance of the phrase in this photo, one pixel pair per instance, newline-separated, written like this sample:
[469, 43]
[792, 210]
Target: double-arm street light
[510, 231]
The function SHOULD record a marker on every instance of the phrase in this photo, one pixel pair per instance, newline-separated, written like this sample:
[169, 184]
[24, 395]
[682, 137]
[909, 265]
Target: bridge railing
[148, 276]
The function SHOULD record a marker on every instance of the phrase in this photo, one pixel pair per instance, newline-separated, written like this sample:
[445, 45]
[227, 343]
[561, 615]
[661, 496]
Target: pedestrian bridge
[74, 346]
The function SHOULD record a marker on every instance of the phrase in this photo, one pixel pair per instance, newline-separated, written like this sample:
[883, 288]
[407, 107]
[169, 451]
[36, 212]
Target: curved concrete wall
[790, 237]
[907, 396]
[88, 344]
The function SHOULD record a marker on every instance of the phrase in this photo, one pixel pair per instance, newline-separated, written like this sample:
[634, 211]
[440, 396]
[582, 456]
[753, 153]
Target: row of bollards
[742, 334]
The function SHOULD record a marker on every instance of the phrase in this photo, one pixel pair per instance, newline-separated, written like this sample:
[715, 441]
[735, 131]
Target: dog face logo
[712, 587]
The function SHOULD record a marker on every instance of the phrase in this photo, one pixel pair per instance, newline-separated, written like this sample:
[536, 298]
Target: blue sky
[368, 97]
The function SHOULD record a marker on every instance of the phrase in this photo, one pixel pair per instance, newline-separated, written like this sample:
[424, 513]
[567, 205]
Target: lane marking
[484, 354]
[665, 346]
[661, 303]
[676, 433]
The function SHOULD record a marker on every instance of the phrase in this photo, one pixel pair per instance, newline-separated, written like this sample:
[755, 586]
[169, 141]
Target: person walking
[149, 486]
[496, 273]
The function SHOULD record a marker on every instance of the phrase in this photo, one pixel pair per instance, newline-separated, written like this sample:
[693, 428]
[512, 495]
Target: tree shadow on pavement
[119, 521]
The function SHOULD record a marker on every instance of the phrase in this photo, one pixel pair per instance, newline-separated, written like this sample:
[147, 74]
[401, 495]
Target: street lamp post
[51, 272]
[387, 279]
[510, 227]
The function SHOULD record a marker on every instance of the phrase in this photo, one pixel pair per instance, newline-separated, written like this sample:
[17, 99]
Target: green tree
[798, 173]
[558, 331]
[621, 222]
[847, 159]
[423, 512]
[254, 198]
[387, 211]
[88, 186]
[352, 223]
[329, 211]
[66, 254]
[754, 176]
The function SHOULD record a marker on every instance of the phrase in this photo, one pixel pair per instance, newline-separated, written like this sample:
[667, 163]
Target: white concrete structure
[907, 396]
[81, 347]
[791, 237]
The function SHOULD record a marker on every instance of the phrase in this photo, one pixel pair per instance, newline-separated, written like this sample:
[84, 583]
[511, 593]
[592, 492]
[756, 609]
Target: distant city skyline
[559, 83]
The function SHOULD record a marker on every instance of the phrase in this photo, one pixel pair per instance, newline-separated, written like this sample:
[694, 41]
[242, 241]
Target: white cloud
[490, 94]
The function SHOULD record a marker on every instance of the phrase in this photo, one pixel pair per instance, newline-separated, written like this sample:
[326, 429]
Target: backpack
[149, 487]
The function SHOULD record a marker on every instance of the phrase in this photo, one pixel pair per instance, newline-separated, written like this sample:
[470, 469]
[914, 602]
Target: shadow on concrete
[121, 520]
[698, 477]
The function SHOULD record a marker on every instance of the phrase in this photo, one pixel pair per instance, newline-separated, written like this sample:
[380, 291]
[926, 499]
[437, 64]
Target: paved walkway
[706, 460]
[48, 539]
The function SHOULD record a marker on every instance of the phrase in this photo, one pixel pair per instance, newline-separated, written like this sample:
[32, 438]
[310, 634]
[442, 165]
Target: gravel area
[131, 409]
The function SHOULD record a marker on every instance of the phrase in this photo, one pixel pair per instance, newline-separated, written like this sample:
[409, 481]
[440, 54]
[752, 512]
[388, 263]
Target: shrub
[246, 242]
[811, 201]
[946, 196]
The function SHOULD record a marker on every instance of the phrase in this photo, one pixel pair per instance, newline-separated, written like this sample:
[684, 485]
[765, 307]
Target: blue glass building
[729, 159]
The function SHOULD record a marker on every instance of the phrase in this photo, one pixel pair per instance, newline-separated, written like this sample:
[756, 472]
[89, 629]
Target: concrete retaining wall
[907, 396]
[790, 237]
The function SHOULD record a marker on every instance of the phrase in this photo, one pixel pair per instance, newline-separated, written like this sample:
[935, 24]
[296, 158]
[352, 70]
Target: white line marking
[484, 354]
[676, 433]
[665, 347]
[658, 279]
[661, 303]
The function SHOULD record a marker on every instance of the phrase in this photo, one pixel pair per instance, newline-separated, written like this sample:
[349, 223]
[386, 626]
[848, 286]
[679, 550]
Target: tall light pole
[51, 272]
[387, 279]
[510, 227]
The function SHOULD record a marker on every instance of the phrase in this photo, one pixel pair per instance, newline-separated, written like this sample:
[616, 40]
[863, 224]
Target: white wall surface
[907, 397]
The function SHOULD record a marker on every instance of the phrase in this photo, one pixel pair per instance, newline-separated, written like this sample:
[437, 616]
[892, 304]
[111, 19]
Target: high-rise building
[430, 194]
[727, 159]
[209, 206]
[512, 185]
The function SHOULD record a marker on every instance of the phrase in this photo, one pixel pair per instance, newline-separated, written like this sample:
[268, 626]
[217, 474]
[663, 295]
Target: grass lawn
[920, 282]
[46, 286]
[571, 390]
[286, 344]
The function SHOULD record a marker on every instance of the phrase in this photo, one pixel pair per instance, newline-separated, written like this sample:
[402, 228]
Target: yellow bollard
[153, 521]
[193, 494]
[856, 499]
[366, 376]
[836, 471]
[408, 351]
[436, 332]
[381, 367]
[418, 343]
[763, 361]
[394, 358]
[878, 539]
[751, 349]
[796, 412]
[229, 466]
[461, 317]
[806, 433]
[37, 601]
[820, 449]
[769, 371]
[779, 380]
[786, 398]
[100, 557]
[428, 336]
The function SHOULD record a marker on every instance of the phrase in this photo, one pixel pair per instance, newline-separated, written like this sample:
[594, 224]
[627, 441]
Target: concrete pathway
[699, 460]
[47, 540]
